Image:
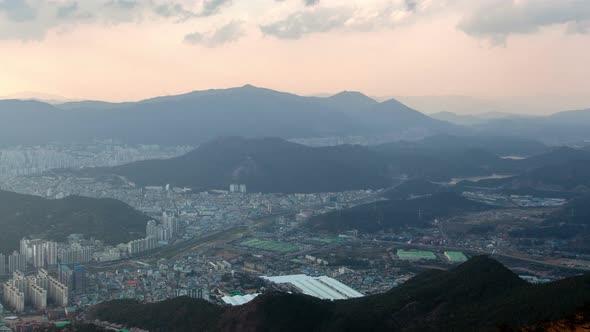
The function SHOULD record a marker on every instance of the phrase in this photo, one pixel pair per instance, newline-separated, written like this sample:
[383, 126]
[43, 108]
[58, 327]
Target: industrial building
[323, 287]
[239, 299]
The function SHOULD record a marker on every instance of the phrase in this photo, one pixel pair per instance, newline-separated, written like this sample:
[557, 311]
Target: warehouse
[323, 287]
[239, 299]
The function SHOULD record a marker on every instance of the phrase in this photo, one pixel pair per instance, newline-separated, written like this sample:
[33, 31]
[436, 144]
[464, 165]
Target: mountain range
[479, 295]
[279, 166]
[203, 115]
[198, 116]
[570, 176]
[264, 165]
[106, 219]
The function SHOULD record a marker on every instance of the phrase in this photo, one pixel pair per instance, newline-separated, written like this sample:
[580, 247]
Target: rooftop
[321, 287]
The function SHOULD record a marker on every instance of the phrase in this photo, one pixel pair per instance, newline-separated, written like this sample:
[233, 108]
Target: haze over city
[294, 165]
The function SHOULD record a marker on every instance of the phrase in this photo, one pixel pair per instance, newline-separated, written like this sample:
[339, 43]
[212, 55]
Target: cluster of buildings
[237, 188]
[38, 253]
[157, 234]
[17, 161]
[135, 247]
[164, 231]
[514, 200]
[35, 291]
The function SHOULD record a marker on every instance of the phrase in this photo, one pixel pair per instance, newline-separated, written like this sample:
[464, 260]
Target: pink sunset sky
[132, 49]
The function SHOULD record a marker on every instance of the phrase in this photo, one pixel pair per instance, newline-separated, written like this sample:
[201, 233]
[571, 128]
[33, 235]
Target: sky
[122, 50]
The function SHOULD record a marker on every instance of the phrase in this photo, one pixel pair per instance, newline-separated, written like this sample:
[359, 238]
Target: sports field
[455, 256]
[415, 254]
[279, 247]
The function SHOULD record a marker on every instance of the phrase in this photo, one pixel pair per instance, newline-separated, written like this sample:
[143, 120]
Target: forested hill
[105, 219]
[479, 295]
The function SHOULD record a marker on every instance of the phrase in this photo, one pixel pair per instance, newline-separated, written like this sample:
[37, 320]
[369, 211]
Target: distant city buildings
[3, 266]
[73, 276]
[17, 262]
[19, 161]
[35, 291]
[165, 231]
[137, 246]
[237, 188]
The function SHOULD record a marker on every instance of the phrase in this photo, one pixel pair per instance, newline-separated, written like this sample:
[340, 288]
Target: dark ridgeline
[480, 294]
[276, 165]
[397, 213]
[558, 128]
[572, 176]
[106, 219]
[264, 165]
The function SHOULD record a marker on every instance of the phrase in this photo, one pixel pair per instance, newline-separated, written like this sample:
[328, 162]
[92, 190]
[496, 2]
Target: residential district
[228, 246]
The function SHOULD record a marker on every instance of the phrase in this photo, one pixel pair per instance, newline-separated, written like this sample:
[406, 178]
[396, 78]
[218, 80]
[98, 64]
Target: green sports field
[279, 247]
[415, 254]
[455, 256]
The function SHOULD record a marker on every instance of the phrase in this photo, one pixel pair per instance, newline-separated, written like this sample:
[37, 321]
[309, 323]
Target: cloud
[67, 10]
[212, 7]
[32, 19]
[174, 10]
[228, 33]
[17, 10]
[301, 23]
[497, 19]
[411, 5]
[376, 15]
[308, 3]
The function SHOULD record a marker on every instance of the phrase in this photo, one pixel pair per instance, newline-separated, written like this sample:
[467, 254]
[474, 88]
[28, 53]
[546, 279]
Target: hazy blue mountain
[444, 143]
[264, 165]
[558, 129]
[202, 115]
[348, 102]
[474, 119]
[556, 156]
[573, 176]
[89, 105]
[573, 117]
[276, 165]
[459, 119]
[393, 115]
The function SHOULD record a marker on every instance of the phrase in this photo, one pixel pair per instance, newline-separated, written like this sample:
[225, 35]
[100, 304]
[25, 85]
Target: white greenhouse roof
[239, 299]
[321, 287]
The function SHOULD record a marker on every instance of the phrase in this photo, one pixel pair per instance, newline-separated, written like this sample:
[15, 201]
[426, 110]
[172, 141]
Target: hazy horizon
[429, 104]
[130, 50]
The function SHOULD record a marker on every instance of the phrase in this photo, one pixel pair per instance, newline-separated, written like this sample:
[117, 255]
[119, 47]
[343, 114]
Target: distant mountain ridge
[480, 294]
[198, 116]
[275, 165]
[264, 165]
